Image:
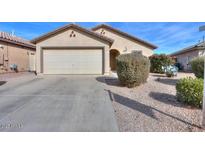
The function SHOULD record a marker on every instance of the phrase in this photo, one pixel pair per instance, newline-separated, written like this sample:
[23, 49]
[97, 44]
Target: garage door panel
[76, 61]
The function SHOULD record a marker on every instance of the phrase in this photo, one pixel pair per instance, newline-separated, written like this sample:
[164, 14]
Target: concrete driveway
[56, 103]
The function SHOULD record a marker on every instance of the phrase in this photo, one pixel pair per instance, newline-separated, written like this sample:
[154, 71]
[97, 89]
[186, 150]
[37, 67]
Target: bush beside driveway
[153, 106]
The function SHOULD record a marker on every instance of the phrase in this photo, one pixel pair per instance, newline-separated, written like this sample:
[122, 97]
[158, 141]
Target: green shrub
[159, 61]
[197, 65]
[190, 91]
[132, 69]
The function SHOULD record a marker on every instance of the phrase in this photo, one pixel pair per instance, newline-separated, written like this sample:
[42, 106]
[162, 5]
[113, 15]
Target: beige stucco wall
[63, 39]
[201, 52]
[124, 44]
[185, 58]
[14, 54]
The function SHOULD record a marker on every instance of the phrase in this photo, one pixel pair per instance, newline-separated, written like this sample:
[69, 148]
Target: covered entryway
[113, 54]
[73, 61]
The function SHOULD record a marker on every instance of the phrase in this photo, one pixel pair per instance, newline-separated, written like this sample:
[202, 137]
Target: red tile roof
[6, 37]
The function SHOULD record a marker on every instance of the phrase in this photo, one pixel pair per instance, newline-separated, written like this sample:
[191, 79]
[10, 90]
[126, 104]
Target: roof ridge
[187, 48]
[124, 33]
[94, 32]
[68, 26]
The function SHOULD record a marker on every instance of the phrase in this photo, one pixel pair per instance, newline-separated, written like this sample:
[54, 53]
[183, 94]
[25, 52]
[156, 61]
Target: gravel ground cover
[153, 106]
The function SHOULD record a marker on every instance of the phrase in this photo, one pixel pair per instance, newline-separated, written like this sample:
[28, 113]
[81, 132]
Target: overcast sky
[169, 37]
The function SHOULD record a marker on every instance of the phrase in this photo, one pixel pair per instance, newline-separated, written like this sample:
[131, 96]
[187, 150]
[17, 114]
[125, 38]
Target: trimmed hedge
[197, 65]
[190, 91]
[132, 69]
[159, 61]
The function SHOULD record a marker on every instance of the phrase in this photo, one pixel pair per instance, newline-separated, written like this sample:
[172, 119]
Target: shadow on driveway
[111, 81]
[144, 109]
[2, 82]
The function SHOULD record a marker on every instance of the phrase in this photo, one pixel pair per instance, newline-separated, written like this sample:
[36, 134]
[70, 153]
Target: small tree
[159, 61]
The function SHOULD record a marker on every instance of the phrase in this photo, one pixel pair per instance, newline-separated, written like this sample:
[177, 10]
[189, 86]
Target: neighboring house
[72, 49]
[15, 50]
[185, 55]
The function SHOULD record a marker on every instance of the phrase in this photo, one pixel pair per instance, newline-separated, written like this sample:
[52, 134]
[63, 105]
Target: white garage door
[75, 61]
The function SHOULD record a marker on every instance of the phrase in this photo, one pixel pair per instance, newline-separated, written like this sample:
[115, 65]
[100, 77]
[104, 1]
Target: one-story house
[72, 49]
[15, 51]
[184, 56]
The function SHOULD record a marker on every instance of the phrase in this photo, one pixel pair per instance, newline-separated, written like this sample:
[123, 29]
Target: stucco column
[38, 60]
[106, 61]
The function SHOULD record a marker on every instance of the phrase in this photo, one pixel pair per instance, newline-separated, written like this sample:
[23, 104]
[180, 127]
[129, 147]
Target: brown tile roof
[38, 39]
[6, 37]
[124, 34]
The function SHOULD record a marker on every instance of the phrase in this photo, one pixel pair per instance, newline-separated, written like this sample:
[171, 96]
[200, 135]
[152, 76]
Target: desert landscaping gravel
[153, 106]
